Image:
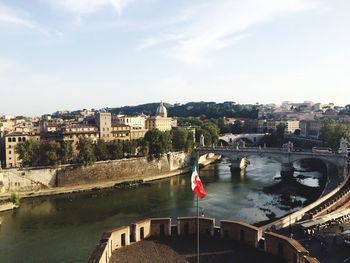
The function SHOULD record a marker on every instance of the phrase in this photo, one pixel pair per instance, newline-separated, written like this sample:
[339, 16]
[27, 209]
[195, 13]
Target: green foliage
[280, 129]
[130, 147]
[237, 127]
[346, 110]
[332, 132]
[190, 121]
[33, 153]
[143, 147]
[86, 154]
[182, 139]
[66, 152]
[28, 152]
[195, 109]
[189, 142]
[115, 150]
[179, 138]
[211, 133]
[15, 199]
[50, 153]
[101, 151]
[158, 142]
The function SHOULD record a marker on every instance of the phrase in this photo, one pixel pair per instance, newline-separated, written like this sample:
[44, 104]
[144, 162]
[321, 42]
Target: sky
[75, 54]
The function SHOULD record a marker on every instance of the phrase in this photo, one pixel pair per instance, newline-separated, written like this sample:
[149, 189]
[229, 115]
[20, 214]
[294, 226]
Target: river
[66, 228]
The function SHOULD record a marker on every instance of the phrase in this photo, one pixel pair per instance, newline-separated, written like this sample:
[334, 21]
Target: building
[161, 121]
[12, 139]
[137, 134]
[104, 124]
[72, 133]
[311, 128]
[121, 132]
[135, 122]
[7, 125]
[291, 125]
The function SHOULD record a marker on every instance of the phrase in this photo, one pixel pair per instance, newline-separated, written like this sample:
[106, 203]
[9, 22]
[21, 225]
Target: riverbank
[102, 185]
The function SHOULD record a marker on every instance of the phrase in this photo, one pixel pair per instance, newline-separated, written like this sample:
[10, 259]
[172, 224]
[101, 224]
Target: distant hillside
[193, 109]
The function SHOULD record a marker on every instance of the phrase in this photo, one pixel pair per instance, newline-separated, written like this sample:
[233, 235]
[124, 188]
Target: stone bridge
[285, 157]
[231, 139]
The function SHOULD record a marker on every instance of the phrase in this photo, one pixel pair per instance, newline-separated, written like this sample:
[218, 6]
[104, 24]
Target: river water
[66, 228]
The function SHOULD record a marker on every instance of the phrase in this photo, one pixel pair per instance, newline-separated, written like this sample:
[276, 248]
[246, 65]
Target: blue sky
[71, 54]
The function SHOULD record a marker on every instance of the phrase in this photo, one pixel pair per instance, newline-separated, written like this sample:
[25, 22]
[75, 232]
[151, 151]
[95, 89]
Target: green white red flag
[196, 183]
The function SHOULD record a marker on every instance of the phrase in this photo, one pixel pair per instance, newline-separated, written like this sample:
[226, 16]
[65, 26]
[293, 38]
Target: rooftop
[183, 249]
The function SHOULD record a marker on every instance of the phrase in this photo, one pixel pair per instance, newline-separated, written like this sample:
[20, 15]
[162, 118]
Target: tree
[101, 151]
[28, 152]
[86, 154]
[143, 147]
[280, 129]
[66, 152]
[213, 130]
[129, 147]
[189, 142]
[346, 110]
[115, 150]
[297, 132]
[222, 125]
[237, 127]
[179, 138]
[332, 132]
[49, 153]
[158, 142]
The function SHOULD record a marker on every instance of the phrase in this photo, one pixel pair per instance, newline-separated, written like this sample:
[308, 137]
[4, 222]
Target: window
[9, 152]
[19, 139]
[9, 140]
[14, 139]
[24, 139]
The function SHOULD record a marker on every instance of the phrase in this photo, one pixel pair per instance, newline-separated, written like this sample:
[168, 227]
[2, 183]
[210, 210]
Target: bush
[15, 199]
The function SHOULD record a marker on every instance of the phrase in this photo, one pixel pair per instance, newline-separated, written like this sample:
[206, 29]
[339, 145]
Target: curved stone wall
[286, 248]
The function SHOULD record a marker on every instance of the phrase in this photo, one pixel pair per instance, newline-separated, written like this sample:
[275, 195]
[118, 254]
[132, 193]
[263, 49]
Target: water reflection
[72, 224]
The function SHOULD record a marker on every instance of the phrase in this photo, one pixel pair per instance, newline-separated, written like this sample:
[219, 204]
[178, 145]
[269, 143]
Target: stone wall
[121, 170]
[160, 227]
[288, 249]
[238, 231]
[110, 241]
[18, 180]
[188, 226]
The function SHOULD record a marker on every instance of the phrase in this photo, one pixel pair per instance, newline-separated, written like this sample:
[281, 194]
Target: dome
[161, 111]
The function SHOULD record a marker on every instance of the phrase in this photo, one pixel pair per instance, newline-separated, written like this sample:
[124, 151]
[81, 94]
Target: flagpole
[197, 215]
[197, 231]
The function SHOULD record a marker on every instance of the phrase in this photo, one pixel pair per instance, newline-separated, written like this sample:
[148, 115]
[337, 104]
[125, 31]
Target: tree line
[332, 132]
[153, 145]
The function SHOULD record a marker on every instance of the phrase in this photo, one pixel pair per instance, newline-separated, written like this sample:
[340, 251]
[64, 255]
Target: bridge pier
[238, 164]
[287, 170]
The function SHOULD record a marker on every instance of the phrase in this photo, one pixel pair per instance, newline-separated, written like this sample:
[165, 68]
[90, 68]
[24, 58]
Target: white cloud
[85, 7]
[10, 16]
[18, 18]
[212, 25]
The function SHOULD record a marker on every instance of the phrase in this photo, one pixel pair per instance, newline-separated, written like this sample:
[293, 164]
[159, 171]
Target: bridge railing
[267, 150]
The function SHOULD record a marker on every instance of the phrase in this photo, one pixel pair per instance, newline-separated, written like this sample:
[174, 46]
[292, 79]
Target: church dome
[161, 111]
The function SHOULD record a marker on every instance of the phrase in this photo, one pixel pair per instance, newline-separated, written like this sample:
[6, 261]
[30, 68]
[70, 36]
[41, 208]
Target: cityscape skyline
[155, 102]
[57, 55]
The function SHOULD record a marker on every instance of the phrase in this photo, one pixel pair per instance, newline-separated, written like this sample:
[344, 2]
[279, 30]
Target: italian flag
[196, 183]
